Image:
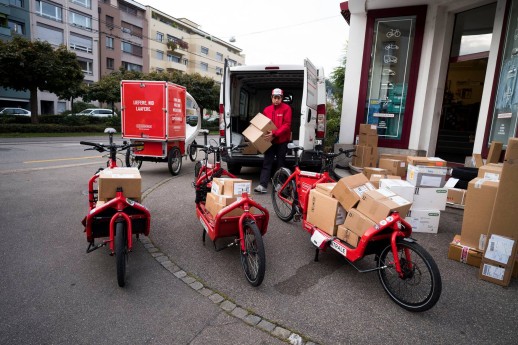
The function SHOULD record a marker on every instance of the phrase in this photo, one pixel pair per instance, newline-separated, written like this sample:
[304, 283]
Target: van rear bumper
[257, 160]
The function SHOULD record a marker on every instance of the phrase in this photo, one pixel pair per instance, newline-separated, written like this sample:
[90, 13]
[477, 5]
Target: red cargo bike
[162, 119]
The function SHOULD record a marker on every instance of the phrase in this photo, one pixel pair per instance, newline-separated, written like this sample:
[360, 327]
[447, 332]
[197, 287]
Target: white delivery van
[246, 91]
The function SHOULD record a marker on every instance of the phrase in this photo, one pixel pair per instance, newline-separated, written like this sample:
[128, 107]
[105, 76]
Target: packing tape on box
[480, 182]
[464, 254]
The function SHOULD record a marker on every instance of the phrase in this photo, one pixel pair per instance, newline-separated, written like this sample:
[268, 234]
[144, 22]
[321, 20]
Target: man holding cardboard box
[280, 114]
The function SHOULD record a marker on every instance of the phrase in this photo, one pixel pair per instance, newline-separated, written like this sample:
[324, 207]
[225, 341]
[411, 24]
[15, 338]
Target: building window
[131, 49]
[109, 22]
[131, 66]
[81, 43]
[110, 63]
[84, 3]
[80, 20]
[49, 10]
[16, 27]
[173, 58]
[17, 3]
[131, 29]
[52, 35]
[219, 70]
[128, 9]
[204, 50]
[219, 56]
[185, 62]
[159, 36]
[204, 66]
[232, 63]
[86, 66]
[159, 55]
[109, 42]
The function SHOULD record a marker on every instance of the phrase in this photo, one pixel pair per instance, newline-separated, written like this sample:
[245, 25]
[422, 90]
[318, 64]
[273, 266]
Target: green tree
[32, 65]
[337, 80]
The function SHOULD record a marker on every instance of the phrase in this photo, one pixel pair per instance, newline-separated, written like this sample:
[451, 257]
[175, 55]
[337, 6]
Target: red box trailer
[159, 116]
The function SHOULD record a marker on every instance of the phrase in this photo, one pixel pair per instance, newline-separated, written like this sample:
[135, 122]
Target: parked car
[14, 111]
[97, 112]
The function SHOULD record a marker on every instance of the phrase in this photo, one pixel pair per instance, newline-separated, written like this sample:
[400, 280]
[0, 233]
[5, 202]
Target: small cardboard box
[464, 254]
[326, 188]
[368, 140]
[400, 187]
[324, 212]
[426, 221]
[368, 129]
[358, 222]
[491, 171]
[478, 209]
[375, 179]
[456, 196]
[259, 125]
[263, 123]
[348, 190]
[233, 187]
[426, 176]
[368, 171]
[429, 198]
[127, 178]
[348, 236]
[377, 204]
[495, 150]
[213, 206]
[426, 161]
[393, 166]
[498, 260]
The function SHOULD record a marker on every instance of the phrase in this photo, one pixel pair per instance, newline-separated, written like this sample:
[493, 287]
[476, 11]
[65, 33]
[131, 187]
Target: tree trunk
[34, 104]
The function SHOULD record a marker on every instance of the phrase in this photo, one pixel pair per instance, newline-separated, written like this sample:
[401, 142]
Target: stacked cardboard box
[324, 211]
[224, 192]
[126, 178]
[498, 260]
[367, 149]
[395, 165]
[259, 125]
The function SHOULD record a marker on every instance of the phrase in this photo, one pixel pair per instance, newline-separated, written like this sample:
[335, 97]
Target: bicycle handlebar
[102, 147]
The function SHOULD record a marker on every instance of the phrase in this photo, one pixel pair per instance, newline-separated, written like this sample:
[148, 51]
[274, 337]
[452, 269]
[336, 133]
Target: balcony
[5, 32]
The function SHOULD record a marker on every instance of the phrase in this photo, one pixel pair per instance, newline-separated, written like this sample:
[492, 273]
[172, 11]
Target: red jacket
[281, 117]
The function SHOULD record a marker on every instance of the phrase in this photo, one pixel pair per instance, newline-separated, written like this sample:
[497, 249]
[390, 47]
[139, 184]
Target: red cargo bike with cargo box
[163, 118]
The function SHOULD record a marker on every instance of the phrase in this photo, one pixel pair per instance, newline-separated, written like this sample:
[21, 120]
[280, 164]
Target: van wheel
[234, 168]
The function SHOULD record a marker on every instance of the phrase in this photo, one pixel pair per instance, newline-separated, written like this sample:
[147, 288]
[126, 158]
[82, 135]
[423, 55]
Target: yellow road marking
[62, 159]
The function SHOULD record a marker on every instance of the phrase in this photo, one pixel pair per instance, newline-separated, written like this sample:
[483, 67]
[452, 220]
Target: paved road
[51, 288]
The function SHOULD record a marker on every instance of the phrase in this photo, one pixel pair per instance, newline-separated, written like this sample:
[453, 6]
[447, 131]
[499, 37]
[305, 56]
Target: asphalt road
[52, 292]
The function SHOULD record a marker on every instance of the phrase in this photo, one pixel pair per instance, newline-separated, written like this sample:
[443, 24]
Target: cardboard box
[368, 140]
[478, 210]
[491, 171]
[376, 205]
[512, 149]
[348, 190]
[429, 198]
[400, 187]
[324, 212]
[394, 156]
[456, 196]
[326, 188]
[498, 260]
[464, 254]
[127, 178]
[249, 150]
[375, 179]
[424, 220]
[426, 176]
[347, 235]
[477, 160]
[263, 123]
[368, 171]
[365, 156]
[426, 161]
[495, 150]
[213, 205]
[358, 222]
[368, 129]
[395, 167]
[259, 125]
[233, 187]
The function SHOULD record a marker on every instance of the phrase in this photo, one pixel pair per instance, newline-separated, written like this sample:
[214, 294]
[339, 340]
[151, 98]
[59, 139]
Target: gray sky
[283, 31]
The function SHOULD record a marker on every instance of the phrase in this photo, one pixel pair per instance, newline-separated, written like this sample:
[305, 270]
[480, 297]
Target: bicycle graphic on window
[393, 33]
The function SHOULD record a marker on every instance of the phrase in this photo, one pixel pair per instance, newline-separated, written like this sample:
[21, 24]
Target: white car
[97, 112]
[14, 111]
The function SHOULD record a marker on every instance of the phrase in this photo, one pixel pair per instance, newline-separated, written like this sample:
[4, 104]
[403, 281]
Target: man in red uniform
[280, 114]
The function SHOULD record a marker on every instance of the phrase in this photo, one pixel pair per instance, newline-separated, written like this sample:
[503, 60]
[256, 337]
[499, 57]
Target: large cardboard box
[263, 123]
[477, 160]
[495, 150]
[213, 206]
[464, 254]
[358, 222]
[365, 156]
[426, 176]
[512, 149]
[378, 204]
[477, 212]
[375, 179]
[233, 187]
[348, 190]
[368, 171]
[498, 260]
[250, 149]
[426, 161]
[396, 167]
[326, 188]
[400, 187]
[424, 220]
[368, 129]
[456, 196]
[127, 178]
[368, 140]
[429, 198]
[259, 125]
[491, 171]
[394, 156]
[324, 212]
[348, 236]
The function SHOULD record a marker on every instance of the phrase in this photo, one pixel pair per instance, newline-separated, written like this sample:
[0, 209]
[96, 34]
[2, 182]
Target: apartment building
[179, 44]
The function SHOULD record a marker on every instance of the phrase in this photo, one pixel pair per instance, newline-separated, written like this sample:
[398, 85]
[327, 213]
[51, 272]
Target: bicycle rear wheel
[174, 161]
[283, 199]
[420, 287]
[131, 161]
[121, 252]
[253, 259]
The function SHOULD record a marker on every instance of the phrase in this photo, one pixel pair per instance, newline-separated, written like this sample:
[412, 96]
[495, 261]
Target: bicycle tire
[284, 210]
[174, 161]
[131, 161]
[423, 274]
[253, 259]
[121, 252]
[197, 168]
[193, 152]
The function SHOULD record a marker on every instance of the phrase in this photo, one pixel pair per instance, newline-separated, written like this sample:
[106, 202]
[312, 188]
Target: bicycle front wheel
[253, 259]
[420, 286]
[174, 161]
[284, 198]
[121, 252]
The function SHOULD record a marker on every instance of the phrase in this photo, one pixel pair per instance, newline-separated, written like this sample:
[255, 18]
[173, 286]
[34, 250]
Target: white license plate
[338, 248]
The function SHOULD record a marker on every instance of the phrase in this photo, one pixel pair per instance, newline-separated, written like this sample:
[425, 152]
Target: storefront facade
[437, 77]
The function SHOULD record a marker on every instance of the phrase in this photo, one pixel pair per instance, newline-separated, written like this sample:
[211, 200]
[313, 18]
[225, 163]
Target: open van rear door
[308, 111]
[224, 104]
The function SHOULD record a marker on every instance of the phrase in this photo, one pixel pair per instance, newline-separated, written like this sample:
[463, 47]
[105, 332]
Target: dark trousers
[276, 150]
